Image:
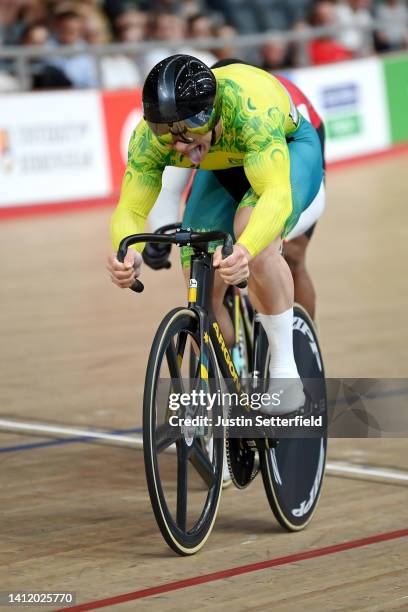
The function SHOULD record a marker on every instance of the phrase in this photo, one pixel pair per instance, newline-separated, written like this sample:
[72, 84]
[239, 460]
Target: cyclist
[232, 183]
[237, 115]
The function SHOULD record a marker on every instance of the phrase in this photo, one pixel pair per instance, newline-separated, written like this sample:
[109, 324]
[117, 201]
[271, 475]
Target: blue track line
[81, 439]
[62, 441]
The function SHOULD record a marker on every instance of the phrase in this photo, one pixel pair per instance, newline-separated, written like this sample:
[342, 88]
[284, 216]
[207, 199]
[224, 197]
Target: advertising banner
[67, 146]
[123, 111]
[52, 148]
[351, 99]
[396, 78]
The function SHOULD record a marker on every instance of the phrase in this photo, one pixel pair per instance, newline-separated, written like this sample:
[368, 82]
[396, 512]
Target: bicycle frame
[242, 326]
[200, 300]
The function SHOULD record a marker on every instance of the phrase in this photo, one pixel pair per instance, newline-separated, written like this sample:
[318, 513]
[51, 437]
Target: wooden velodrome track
[75, 514]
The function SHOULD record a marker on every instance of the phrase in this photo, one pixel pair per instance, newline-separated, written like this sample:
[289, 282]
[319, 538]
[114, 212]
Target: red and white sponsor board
[123, 111]
[52, 148]
[71, 147]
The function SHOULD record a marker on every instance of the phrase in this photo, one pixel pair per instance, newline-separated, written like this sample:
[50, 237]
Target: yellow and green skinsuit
[257, 118]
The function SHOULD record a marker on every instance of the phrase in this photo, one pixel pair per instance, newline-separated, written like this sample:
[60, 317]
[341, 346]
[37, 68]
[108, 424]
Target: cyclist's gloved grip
[226, 252]
[156, 256]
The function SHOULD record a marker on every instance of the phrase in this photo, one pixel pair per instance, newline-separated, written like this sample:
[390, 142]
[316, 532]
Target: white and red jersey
[301, 101]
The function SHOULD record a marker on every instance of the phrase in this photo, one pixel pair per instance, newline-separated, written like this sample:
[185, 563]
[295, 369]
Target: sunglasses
[187, 129]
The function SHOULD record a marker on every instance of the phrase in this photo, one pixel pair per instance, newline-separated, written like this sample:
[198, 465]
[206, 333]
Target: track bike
[184, 463]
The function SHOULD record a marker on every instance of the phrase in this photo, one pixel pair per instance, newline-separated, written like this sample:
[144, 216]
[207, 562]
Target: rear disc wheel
[293, 470]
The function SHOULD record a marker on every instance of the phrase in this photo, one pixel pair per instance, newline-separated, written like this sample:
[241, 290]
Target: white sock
[279, 331]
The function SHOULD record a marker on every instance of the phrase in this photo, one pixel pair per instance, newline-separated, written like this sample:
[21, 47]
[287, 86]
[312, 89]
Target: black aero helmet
[180, 88]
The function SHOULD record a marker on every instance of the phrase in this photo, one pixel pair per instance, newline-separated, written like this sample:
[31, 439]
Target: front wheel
[293, 471]
[183, 468]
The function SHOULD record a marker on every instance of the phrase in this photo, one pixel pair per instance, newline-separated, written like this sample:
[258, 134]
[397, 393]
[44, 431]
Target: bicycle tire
[293, 471]
[183, 540]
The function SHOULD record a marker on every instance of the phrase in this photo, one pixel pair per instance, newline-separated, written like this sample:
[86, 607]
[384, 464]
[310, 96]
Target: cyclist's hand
[124, 274]
[234, 268]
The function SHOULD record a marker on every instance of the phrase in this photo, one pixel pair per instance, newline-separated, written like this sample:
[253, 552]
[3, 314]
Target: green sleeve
[267, 166]
[140, 186]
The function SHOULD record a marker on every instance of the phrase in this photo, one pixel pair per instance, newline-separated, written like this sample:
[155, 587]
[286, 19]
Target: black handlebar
[180, 237]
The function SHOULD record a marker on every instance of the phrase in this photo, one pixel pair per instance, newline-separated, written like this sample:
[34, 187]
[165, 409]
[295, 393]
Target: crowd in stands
[83, 23]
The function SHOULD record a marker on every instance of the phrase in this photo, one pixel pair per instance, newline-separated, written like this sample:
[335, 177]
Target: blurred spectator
[167, 26]
[171, 28]
[114, 8]
[130, 26]
[15, 15]
[80, 69]
[10, 25]
[10, 32]
[326, 49]
[117, 70]
[226, 31]
[352, 16]
[200, 26]
[49, 77]
[190, 8]
[96, 30]
[32, 11]
[88, 7]
[43, 75]
[35, 34]
[274, 55]
[394, 34]
[226, 9]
